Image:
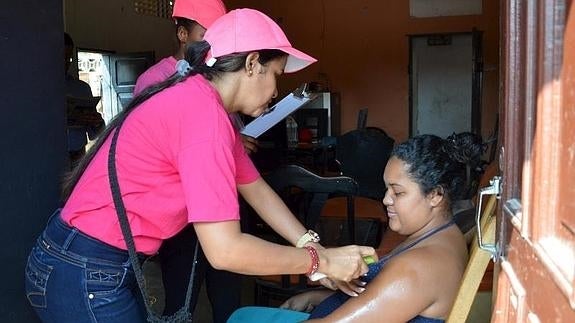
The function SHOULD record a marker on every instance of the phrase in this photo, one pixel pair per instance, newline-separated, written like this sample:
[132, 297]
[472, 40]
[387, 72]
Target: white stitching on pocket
[37, 275]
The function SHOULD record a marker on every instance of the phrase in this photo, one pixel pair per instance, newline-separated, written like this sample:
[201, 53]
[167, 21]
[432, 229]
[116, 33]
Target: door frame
[536, 229]
[113, 91]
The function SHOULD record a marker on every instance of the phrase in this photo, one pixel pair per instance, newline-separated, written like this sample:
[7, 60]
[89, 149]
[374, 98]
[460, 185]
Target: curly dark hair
[448, 165]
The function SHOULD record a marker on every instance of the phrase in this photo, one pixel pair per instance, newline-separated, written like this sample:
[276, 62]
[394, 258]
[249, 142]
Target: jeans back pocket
[104, 280]
[37, 275]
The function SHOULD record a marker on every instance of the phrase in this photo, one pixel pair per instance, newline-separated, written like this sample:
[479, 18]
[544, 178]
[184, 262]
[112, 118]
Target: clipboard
[279, 111]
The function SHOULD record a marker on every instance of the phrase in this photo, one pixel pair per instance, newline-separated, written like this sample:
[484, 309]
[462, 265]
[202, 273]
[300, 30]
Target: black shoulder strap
[183, 314]
[418, 240]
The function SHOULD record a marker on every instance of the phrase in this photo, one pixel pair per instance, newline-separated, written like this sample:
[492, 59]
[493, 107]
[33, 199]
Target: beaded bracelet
[314, 260]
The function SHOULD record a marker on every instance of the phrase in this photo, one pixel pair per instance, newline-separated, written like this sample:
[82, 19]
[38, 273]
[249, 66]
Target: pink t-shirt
[156, 74]
[178, 160]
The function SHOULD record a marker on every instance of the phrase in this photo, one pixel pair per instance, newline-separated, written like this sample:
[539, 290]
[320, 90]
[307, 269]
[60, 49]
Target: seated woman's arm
[306, 301]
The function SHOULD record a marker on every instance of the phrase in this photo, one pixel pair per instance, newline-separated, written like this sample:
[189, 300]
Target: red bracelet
[314, 260]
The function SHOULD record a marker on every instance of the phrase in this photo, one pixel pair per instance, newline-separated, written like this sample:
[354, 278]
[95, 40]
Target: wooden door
[536, 227]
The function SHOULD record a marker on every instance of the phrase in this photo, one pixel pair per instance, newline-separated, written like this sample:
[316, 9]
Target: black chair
[362, 155]
[305, 193]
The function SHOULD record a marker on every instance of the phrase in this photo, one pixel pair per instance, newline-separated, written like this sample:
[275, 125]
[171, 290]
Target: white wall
[438, 8]
[113, 25]
[442, 86]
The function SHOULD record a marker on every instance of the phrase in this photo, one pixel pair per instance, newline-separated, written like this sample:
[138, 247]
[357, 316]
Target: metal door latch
[494, 188]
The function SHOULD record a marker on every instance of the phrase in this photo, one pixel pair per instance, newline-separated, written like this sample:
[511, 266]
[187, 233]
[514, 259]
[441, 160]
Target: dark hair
[68, 42]
[195, 55]
[186, 23]
[443, 164]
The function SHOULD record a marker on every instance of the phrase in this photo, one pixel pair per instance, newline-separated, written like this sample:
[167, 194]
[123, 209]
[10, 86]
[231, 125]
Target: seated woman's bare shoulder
[426, 277]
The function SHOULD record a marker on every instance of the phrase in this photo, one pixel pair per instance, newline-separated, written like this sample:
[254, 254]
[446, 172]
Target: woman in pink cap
[192, 18]
[170, 158]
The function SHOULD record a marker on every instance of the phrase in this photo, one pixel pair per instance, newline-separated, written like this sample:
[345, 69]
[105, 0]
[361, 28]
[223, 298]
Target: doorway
[112, 77]
[445, 87]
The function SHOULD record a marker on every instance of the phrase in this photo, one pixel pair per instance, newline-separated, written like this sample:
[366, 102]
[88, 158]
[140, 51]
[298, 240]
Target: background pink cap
[205, 12]
[244, 30]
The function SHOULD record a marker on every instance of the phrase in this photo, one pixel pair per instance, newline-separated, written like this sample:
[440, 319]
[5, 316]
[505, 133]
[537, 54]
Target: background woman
[192, 18]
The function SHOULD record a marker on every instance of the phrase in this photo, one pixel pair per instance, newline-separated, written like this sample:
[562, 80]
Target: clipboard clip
[268, 110]
[302, 92]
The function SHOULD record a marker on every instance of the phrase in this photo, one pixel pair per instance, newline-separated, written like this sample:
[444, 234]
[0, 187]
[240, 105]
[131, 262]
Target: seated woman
[419, 279]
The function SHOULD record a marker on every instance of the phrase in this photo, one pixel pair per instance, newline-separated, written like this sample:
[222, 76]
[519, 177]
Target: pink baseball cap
[244, 30]
[204, 12]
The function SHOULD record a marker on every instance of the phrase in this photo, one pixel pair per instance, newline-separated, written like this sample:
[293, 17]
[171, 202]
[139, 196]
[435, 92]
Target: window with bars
[157, 8]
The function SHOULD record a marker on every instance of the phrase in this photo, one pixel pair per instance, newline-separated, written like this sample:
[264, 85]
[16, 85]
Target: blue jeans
[71, 277]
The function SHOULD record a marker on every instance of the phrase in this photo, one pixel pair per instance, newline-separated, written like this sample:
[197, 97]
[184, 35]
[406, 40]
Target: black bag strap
[183, 314]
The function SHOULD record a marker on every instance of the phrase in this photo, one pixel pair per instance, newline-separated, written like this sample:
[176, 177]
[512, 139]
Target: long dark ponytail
[195, 55]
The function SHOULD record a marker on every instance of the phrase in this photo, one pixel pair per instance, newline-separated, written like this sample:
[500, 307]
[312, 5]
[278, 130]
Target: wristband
[314, 260]
[309, 236]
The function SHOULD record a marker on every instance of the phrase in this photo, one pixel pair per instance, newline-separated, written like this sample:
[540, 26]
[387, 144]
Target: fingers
[359, 284]
[300, 302]
[368, 256]
[368, 252]
[309, 308]
[362, 269]
[353, 288]
[250, 144]
[345, 263]
[285, 305]
[358, 254]
[249, 147]
[328, 283]
[249, 139]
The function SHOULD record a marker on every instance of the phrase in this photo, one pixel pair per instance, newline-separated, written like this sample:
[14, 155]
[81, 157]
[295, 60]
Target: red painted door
[536, 224]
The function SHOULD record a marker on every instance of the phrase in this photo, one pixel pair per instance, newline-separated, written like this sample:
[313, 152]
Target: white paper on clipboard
[279, 111]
